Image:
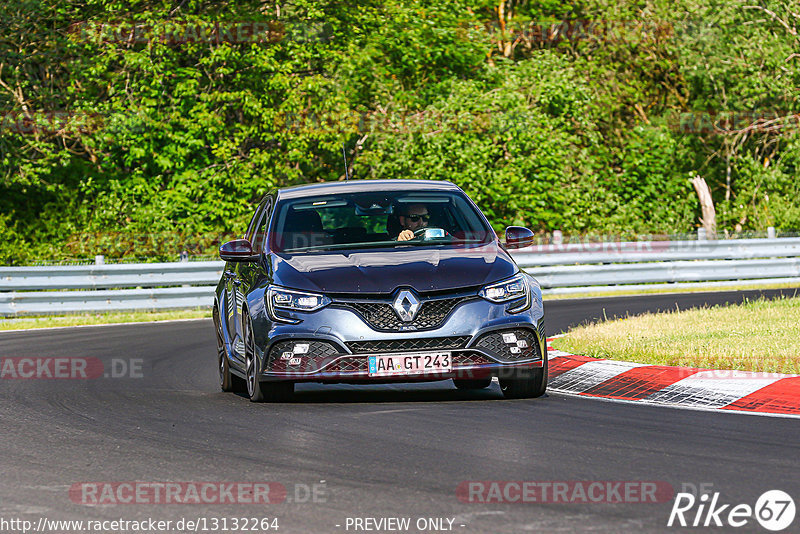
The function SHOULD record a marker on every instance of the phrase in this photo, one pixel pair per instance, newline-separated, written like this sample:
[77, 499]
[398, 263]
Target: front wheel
[261, 391]
[227, 380]
[526, 384]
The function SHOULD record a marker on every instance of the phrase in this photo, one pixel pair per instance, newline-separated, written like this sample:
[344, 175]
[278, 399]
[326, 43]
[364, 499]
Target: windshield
[376, 219]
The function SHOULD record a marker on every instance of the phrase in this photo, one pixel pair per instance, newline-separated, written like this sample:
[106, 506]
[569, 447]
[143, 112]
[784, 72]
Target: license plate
[409, 363]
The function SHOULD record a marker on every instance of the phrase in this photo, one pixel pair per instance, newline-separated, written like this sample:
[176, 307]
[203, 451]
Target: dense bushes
[587, 129]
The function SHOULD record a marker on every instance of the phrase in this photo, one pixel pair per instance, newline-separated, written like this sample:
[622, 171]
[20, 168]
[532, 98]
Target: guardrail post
[771, 232]
[99, 260]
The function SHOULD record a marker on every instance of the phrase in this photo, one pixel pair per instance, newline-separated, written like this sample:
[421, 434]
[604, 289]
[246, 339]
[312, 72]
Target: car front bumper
[334, 345]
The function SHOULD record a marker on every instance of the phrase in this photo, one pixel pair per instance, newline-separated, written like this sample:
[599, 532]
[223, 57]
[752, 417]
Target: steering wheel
[419, 231]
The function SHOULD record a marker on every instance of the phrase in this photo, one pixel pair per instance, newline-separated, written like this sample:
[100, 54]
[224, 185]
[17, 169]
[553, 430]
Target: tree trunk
[709, 218]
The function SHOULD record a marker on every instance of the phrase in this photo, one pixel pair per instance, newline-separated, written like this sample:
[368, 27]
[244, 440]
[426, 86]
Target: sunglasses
[415, 218]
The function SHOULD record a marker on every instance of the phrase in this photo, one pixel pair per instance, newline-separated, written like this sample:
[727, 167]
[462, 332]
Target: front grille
[381, 315]
[466, 359]
[519, 344]
[408, 345]
[348, 364]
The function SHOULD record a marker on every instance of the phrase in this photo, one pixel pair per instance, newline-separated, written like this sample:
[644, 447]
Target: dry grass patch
[101, 318]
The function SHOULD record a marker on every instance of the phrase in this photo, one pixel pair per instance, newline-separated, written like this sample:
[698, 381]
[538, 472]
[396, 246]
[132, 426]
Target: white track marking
[590, 374]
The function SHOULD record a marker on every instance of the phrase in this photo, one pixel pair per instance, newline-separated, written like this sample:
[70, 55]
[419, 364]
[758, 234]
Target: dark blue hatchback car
[376, 281]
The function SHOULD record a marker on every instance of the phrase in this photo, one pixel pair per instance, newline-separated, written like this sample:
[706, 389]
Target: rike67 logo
[774, 510]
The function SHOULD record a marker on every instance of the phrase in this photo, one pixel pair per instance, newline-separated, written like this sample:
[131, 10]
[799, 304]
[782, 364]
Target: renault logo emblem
[406, 304]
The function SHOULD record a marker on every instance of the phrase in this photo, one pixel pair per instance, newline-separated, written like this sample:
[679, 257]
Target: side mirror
[518, 237]
[237, 250]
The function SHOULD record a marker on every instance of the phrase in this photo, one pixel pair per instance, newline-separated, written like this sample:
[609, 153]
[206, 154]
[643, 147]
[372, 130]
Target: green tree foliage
[144, 127]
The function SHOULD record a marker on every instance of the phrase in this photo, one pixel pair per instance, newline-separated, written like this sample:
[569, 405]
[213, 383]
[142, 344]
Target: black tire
[473, 383]
[526, 384]
[257, 390]
[227, 380]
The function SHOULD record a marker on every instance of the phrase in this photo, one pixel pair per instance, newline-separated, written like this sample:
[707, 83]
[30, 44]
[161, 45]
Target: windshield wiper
[340, 246]
[379, 244]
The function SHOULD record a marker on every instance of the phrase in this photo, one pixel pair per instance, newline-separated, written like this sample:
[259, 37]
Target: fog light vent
[515, 344]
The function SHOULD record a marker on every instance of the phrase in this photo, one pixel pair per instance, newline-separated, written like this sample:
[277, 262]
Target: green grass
[101, 318]
[758, 335]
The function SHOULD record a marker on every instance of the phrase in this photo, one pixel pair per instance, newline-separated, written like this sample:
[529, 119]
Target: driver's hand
[405, 235]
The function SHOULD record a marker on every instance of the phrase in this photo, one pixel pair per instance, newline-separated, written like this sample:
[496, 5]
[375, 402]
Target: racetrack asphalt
[373, 451]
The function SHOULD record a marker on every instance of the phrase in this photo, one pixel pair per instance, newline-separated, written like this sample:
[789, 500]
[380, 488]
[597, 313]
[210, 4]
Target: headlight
[514, 288]
[279, 298]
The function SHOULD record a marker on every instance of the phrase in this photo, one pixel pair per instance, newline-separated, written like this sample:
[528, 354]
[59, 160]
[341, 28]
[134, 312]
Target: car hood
[383, 271]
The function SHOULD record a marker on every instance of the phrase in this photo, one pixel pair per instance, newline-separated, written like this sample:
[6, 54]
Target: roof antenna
[346, 173]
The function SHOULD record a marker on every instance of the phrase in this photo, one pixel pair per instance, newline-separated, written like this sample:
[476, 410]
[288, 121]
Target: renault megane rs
[376, 281]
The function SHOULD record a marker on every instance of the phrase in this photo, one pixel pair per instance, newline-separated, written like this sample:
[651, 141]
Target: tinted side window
[260, 232]
[253, 222]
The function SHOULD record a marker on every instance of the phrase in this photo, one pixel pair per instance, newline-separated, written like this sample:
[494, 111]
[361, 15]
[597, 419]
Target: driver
[414, 217]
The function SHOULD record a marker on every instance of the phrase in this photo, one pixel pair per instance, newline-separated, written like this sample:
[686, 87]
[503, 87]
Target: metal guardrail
[52, 302]
[149, 287]
[565, 268]
[651, 251]
[665, 272]
[591, 267]
[110, 276]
